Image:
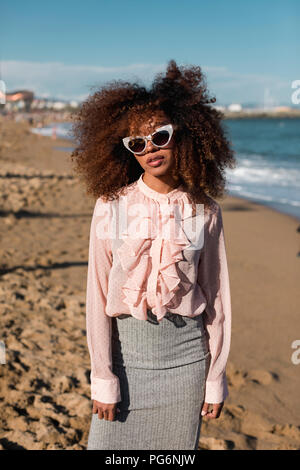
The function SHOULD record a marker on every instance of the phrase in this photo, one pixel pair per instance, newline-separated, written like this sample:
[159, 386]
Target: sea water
[268, 162]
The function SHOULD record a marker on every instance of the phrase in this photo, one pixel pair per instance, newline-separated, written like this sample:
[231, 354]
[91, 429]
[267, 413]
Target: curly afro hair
[202, 151]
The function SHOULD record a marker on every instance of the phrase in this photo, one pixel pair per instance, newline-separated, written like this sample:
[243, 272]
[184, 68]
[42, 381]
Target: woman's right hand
[105, 410]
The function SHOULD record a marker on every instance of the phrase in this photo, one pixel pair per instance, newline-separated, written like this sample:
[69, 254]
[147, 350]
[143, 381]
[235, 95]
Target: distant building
[219, 108]
[2, 92]
[59, 105]
[74, 104]
[38, 104]
[19, 99]
[26, 101]
[282, 109]
[235, 107]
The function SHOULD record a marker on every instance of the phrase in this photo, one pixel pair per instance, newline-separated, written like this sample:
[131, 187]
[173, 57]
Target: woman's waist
[175, 341]
[173, 327]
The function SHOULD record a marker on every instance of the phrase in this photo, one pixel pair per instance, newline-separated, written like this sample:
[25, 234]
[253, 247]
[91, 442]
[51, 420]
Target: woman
[158, 303]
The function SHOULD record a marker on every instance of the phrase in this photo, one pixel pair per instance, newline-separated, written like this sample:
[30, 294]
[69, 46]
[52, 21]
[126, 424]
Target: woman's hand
[214, 413]
[105, 410]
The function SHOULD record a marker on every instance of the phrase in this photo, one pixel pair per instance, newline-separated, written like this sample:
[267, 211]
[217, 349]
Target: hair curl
[202, 150]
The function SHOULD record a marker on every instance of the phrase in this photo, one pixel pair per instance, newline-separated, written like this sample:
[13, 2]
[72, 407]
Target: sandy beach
[44, 385]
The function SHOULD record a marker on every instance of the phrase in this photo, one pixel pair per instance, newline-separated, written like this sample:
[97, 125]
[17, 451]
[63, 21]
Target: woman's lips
[155, 161]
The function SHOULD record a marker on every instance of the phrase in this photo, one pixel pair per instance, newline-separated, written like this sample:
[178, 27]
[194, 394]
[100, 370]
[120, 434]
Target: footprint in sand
[289, 430]
[262, 377]
[237, 378]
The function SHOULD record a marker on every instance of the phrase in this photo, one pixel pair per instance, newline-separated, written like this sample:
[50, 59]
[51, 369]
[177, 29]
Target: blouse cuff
[216, 391]
[105, 390]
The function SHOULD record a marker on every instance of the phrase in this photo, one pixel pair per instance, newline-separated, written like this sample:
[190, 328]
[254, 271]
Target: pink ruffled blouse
[147, 252]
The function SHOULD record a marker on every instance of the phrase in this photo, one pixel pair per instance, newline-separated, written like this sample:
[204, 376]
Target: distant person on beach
[54, 132]
[158, 306]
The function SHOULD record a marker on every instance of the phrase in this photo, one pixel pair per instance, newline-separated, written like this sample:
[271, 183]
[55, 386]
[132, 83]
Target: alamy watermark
[2, 92]
[295, 358]
[2, 353]
[296, 94]
[172, 222]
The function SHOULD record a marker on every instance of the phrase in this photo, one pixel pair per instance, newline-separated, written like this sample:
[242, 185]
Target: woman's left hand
[214, 413]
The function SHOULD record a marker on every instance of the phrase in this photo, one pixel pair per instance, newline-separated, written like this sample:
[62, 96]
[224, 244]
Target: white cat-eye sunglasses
[160, 138]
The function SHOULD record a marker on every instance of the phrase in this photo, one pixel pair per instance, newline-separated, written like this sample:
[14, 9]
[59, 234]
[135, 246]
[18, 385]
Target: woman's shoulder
[109, 207]
[124, 191]
[212, 207]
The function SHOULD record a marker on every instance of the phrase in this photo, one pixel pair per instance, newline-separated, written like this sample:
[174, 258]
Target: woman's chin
[161, 169]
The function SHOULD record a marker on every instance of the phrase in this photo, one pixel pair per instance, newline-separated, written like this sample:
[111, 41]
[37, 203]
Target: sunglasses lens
[136, 145]
[160, 138]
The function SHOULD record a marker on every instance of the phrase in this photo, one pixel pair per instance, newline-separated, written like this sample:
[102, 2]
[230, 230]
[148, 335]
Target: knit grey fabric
[162, 369]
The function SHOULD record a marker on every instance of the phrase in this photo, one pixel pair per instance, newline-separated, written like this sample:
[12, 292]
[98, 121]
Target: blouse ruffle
[137, 256]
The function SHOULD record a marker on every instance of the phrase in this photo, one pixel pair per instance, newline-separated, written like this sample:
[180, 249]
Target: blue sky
[249, 50]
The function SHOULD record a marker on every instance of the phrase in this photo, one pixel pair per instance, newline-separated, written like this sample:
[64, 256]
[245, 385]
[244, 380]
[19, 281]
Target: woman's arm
[105, 387]
[213, 278]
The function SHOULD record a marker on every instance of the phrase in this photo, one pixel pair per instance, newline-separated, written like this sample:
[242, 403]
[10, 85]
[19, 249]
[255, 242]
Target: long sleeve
[213, 278]
[105, 385]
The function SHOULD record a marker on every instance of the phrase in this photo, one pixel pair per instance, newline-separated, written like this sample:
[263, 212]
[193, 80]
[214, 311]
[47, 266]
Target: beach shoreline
[266, 205]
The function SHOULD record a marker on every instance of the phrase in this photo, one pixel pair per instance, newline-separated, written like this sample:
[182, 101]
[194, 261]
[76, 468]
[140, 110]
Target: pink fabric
[157, 270]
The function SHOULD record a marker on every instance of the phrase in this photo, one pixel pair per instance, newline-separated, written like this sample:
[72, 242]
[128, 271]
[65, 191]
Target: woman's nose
[149, 146]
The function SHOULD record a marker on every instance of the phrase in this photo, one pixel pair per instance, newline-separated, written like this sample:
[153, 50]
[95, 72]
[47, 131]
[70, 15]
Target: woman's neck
[162, 184]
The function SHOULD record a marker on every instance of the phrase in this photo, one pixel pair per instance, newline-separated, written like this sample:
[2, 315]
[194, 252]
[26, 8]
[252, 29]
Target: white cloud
[69, 81]
[56, 79]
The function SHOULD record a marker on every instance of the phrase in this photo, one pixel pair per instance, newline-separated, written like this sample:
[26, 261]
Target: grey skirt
[162, 368]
